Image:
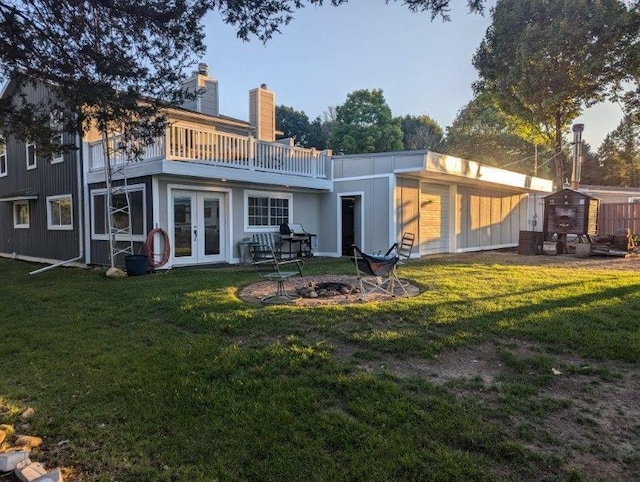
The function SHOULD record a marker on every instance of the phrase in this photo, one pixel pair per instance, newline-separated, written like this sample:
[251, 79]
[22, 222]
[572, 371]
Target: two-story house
[212, 181]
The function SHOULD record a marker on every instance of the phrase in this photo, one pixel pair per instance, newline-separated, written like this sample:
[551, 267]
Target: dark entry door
[348, 225]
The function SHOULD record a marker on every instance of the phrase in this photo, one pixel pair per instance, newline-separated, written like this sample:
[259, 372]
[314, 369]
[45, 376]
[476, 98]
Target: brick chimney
[262, 113]
[207, 101]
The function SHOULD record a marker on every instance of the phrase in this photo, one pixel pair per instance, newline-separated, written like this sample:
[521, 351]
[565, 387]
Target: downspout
[80, 211]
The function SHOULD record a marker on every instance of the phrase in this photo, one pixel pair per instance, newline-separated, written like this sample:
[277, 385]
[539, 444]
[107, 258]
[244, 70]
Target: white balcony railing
[186, 143]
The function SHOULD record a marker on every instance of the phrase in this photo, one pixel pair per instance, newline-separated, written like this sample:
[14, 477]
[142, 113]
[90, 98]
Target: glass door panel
[182, 226]
[211, 220]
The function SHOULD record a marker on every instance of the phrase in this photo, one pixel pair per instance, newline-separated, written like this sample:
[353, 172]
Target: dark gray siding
[46, 179]
[99, 248]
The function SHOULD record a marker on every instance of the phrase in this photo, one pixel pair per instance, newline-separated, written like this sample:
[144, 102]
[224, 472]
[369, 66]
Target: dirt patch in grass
[586, 415]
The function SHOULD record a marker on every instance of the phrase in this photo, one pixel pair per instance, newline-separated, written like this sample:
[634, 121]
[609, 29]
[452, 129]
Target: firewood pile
[621, 244]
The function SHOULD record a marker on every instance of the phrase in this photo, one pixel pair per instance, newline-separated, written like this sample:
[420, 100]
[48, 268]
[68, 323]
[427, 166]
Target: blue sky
[325, 53]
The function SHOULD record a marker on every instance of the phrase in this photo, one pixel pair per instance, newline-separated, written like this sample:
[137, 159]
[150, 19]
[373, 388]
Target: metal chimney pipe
[577, 156]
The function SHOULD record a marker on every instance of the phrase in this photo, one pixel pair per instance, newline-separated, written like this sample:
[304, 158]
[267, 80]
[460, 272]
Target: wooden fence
[618, 216]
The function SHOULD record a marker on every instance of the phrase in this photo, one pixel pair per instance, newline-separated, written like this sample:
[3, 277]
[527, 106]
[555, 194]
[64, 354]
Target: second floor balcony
[203, 145]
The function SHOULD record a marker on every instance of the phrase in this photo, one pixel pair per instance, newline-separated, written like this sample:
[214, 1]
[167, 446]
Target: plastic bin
[136, 264]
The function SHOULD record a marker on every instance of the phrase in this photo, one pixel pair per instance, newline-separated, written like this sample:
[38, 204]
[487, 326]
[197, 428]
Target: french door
[198, 227]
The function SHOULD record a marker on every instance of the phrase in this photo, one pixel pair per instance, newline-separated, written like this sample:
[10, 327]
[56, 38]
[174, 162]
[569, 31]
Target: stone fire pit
[325, 289]
[335, 290]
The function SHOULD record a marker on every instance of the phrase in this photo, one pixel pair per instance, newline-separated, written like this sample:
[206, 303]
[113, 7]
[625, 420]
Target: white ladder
[117, 199]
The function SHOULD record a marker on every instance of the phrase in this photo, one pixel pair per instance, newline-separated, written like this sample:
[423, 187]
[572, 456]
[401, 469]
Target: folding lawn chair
[376, 273]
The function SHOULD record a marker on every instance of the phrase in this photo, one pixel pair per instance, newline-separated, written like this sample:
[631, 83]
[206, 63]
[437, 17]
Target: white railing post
[251, 154]
[168, 142]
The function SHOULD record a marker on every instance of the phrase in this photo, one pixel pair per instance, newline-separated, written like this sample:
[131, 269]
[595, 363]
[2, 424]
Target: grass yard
[498, 370]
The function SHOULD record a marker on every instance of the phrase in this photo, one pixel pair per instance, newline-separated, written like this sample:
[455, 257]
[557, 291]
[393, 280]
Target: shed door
[434, 219]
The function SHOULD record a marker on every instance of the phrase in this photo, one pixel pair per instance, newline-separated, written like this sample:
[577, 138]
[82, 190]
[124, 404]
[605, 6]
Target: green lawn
[171, 377]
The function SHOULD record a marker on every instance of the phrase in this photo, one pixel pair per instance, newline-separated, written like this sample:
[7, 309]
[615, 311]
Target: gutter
[61, 263]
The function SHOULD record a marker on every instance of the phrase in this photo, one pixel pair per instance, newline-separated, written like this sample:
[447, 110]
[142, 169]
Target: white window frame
[50, 203]
[35, 155]
[16, 225]
[105, 237]
[56, 126]
[270, 195]
[3, 156]
[60, 157]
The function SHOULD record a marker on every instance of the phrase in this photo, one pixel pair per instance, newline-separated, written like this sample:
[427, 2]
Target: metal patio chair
[268, 245]
[270, 267]
[403, 250]
[376, 273]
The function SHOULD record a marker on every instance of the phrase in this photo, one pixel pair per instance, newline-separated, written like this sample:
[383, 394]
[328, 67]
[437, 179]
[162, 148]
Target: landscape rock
[8, 429]
[115, 273]
[28, 413]
[28, 441]
[3, 436]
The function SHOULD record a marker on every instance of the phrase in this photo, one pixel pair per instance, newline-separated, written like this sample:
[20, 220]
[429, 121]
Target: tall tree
[620, 154]
[421, 132]
[364, 124]
[321, 128]
[545, 60]
[631, 65]
[482, 132]
[592, 170]
[106, 55]
[293, 124]
[99, 59]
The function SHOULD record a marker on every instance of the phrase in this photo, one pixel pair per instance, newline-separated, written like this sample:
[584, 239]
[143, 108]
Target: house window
[137, 209]
[57, 137]
[267, 210]
[21, 214]
[32, 160]
[59, 212]
[3, 156]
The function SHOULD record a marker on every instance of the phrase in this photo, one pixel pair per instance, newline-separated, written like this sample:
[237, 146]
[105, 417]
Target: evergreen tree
[620, 155]
[107, 64]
